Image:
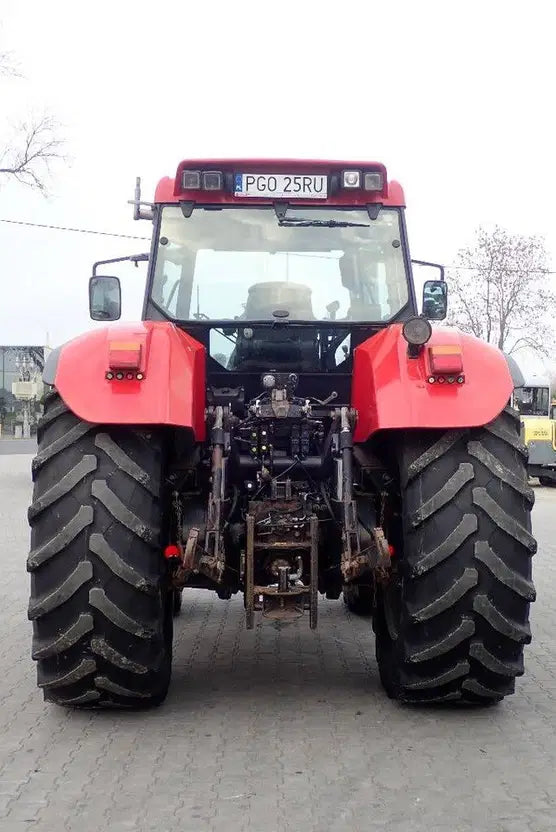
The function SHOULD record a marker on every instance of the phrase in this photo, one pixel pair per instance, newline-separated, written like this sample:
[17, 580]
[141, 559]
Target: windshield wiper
[302, 222]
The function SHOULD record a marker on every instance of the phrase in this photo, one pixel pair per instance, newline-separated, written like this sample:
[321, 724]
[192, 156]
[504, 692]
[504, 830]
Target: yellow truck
[538, 425]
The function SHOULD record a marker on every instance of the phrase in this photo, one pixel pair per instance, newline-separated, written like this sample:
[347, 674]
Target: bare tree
[8, 65]
[28, 155]
[500, 291]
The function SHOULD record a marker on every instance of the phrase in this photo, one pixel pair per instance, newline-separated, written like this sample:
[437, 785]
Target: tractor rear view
[281, 424]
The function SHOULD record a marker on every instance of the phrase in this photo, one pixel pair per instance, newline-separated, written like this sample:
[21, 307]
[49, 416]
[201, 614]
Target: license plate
[281, 185]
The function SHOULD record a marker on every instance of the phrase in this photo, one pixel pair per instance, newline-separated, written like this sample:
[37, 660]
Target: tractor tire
[100, 602]
[452, 621]
[359, 599]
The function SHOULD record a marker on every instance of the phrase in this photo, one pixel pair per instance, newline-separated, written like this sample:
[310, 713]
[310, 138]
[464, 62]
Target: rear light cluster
[446, 379]
[109, 376]
[446, 364]
[124, 361]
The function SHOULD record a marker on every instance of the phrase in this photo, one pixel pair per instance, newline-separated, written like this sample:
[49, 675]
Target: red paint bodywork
[172, 391]
[391, 390]
[169, 189]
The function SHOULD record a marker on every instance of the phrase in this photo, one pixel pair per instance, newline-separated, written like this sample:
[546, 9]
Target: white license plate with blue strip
[281, 185]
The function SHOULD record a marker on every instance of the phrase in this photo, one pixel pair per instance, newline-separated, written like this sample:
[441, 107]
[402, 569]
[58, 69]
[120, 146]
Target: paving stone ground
[272, 730]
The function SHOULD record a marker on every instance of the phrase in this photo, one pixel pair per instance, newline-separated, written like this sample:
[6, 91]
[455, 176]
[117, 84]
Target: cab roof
[169, 189]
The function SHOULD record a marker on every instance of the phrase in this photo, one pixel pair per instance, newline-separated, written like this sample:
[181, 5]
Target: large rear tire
[452, 622]
[100, 605]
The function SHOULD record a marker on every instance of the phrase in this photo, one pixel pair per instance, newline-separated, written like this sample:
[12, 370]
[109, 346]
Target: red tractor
[282, 423]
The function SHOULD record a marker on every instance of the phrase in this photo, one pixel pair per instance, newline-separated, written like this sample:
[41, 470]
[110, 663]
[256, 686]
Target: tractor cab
[282, 266]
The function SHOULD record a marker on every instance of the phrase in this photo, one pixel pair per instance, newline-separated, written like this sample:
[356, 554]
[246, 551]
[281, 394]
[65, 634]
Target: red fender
[391, 390]
[172, 363]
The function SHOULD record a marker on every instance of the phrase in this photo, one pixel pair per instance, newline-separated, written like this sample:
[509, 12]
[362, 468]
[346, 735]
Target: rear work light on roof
[374, 181]
[206, 180]
[368, 180]
[351, 179]
[191, 180]
[212, 180]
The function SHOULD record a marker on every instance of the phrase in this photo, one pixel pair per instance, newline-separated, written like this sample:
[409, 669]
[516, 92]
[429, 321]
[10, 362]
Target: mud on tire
[101, 612]
[453, 626]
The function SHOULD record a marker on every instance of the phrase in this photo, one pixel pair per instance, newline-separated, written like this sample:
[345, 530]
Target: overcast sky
[457, 100]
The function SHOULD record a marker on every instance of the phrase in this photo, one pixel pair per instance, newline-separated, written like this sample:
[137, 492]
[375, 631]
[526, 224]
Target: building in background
[21, 389]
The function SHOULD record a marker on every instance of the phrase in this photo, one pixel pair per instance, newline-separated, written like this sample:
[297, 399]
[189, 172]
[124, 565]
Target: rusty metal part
[384, 562]
[272, 565]
[298, 574]
[189, 552]
[212, 561]
[289, 597]
[279, 605]
[354, 567]
[187, 559]
[194, 560]
[283, 578]
[283, 608]
[212, 566]
[374, 558]
[280, 404]
[352, 562]
[274, 590]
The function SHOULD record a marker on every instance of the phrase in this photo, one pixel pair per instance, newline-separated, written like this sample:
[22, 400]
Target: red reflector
[391, 550]
[171, 551]
[446, 359]
[124, 355]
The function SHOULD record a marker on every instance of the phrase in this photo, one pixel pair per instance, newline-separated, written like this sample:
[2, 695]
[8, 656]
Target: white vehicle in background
[538, 428]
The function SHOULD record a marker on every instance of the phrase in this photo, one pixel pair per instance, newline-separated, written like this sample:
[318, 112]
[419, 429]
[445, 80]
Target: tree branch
[29, 161]
[8, 66]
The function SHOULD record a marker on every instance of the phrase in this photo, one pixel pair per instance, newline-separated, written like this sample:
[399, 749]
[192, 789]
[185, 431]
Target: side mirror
[105, 298]
[435, 299]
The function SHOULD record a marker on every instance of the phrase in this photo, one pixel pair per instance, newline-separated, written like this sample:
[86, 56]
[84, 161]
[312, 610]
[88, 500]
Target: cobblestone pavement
[272, 730]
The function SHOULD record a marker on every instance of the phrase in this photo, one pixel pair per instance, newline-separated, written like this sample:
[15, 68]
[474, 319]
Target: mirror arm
[134, 258]
[433, 265]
